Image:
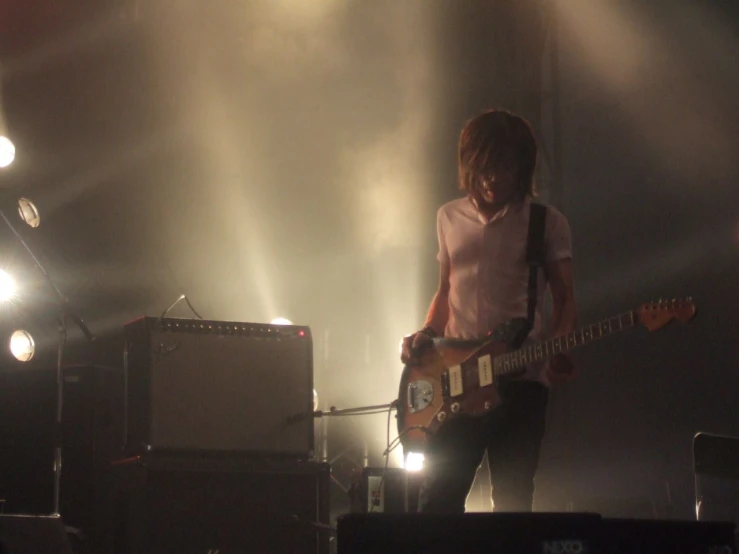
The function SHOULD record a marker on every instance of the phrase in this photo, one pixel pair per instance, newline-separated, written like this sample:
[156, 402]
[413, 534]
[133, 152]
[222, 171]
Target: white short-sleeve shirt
[488, 273]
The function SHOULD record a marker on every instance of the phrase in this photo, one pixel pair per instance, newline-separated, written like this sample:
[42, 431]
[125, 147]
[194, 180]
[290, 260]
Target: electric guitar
[458, 377]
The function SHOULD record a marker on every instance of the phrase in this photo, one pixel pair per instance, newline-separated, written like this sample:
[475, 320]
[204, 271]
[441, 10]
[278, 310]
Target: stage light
[414, 461]
[7, 151]
[7, 287]
[22, 345]
[281, 321]
[28, 212]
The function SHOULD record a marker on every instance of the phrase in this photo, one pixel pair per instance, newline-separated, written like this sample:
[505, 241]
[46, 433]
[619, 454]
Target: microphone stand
[354, 411]
[366, 410]
[362, 410]
[64, 314]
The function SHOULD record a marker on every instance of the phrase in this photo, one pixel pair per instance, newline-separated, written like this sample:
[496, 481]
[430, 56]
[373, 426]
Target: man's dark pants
[512, 436]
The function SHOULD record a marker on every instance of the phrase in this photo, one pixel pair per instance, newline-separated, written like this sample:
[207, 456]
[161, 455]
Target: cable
[387, 439]
[396, 441]
[193, 309]
[390, 447]
[165, 312]
[179, 299]
[387, 459]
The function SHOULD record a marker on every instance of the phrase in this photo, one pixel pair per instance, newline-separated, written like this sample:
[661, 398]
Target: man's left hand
[561, 368]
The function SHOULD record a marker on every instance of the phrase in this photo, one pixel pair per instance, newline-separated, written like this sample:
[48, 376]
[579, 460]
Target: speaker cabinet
[214, 386]
[91, 438]
[716, 468]
[33, 534]
[230, 506]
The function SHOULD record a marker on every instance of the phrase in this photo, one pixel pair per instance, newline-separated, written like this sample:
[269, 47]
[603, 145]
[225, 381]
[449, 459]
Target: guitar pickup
[456, 381]
[445, 384]
[485, 370]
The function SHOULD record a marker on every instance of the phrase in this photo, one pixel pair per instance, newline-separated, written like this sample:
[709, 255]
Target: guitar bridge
[420, 395]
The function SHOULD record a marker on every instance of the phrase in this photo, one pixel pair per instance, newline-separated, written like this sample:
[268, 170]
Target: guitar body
[460, 378]
[447, 382]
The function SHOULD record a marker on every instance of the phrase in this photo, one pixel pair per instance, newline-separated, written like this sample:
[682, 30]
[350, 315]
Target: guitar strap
[535, 256]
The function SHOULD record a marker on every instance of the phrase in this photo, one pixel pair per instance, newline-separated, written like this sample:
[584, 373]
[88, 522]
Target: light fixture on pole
[8, 289]
[22, 342]
[7, 151]
[29, 213]
[22, 345]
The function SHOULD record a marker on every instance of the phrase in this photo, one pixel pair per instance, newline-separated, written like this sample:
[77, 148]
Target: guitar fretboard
[514, 361]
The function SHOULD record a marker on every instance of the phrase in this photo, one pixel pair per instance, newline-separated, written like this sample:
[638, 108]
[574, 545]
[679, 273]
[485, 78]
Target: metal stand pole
[59, 407]
[354, 411]
[65, 312]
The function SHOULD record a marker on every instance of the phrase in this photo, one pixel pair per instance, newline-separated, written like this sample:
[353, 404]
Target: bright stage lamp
[281, 321]
[414, 461]
[22, 345]
[28, 212]
[7, 287]
[7, 151]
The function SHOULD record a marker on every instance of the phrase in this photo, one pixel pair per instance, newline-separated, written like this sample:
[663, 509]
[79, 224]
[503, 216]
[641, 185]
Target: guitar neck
[516, 360]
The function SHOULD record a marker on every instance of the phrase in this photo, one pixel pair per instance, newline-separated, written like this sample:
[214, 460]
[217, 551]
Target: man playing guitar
[484, 282]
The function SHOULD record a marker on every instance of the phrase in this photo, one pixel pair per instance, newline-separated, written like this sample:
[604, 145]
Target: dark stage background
[286, 159]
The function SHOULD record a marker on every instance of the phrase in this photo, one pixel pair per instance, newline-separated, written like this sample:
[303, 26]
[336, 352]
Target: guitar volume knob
[455, 407]
[441, 416]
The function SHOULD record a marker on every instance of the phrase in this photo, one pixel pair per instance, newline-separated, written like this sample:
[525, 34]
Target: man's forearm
[438, 313]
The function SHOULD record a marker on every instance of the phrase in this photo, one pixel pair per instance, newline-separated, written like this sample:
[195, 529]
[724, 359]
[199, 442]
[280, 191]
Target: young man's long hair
[492, 139]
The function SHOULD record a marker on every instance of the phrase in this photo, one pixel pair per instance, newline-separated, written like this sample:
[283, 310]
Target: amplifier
[184, 504]
[196, 385]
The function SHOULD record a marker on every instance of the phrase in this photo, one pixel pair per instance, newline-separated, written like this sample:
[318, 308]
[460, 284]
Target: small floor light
[414, 461]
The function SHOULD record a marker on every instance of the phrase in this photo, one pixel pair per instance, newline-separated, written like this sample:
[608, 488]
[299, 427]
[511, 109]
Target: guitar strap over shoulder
[535, 256]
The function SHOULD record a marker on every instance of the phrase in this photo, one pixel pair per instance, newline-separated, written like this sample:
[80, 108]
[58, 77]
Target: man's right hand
[414, 344]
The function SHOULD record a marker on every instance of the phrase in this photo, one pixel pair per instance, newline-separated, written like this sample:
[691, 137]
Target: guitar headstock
[655, 315]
